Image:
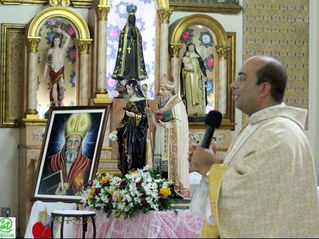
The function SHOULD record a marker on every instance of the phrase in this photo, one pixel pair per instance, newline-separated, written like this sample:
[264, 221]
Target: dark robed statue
[132, 131]
[129, 61]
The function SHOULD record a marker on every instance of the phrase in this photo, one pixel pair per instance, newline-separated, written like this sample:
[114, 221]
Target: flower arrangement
[139, 190]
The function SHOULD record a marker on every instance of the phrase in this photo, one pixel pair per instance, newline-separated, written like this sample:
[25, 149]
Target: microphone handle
[207, 137]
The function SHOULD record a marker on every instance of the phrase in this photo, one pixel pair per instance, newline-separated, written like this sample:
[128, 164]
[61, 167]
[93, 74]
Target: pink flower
[113, 33]
[111, 82]
[70, 31]
[51, 21]
[73, 54]
[210, 62]
[185, 36]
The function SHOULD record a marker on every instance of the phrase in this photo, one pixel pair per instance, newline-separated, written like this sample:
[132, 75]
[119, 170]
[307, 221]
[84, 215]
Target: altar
[154, 224]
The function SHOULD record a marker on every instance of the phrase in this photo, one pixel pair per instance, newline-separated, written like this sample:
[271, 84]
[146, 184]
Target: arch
[64, 12]
[200, 19]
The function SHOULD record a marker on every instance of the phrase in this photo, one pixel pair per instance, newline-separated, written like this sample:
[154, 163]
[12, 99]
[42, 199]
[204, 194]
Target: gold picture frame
[74, 3]
[12, 73]
[218, 6]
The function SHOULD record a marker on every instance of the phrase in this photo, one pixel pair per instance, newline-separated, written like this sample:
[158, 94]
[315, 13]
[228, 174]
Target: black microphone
[212, 121]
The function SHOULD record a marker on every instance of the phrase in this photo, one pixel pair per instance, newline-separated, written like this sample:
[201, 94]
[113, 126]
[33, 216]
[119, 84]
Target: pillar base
[102, 98]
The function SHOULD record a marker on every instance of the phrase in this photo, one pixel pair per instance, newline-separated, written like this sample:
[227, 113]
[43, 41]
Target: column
[164, 15]
[222, 103]
[84, 46]
[175, 64]
[32, 112]
[102, 10]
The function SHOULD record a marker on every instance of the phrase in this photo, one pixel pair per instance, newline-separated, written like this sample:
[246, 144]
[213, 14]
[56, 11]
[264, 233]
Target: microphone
[212, 121]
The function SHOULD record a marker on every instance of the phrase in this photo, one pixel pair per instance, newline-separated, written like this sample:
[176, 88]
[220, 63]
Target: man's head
[166, 91]
[260, 83]
[76, 128]
[56, 41]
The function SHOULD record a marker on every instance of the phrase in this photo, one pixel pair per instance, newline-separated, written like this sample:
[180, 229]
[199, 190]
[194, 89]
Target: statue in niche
[129, 61]
[54, 67]
[193, 82]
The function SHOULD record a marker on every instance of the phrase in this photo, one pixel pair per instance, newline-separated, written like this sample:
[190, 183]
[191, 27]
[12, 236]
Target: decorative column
[32, 112]
[175, 65]
[102, 10]
[222, 53]
[84, 46]
[164, 15]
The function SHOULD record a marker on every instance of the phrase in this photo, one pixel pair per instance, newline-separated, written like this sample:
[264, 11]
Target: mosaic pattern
[281, 29]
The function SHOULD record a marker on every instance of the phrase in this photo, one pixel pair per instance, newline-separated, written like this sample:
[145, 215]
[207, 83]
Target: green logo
[6, 225]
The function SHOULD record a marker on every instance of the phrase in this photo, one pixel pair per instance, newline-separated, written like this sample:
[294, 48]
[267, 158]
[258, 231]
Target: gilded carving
[55, 3]
[223, 51]
[84, 46]
[175, 49]
[165, 14]
[33, 44]
[102, 12]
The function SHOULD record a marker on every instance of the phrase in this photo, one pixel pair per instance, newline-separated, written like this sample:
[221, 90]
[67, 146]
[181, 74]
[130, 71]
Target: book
[50, 183]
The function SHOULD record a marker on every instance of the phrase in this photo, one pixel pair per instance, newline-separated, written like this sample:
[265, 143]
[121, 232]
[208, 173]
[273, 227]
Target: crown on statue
[168, 83]
[78, 124]
[131, 9]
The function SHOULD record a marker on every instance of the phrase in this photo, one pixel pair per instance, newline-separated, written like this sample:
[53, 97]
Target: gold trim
[165, 14]
[84, 45]
[114, 172]
[7, 119]
[206, 7]
[102, 98]
[163, 4]
[231, 73]
[33, 43]
[223, 51]
[204, 20]
[64, 12]
[174, 49]
[82, 3]
[33, 122]
[56, 3]
[102, 12]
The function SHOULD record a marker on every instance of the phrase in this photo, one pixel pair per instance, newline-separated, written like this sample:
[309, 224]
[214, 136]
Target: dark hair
[136, 86]
[275, 74]
[57, 36]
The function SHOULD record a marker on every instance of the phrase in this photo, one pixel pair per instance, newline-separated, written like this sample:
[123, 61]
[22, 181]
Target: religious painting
[70, 152]
[57, 65]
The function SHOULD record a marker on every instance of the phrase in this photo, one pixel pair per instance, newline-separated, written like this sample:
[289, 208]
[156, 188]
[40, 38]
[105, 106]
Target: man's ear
[265, 89]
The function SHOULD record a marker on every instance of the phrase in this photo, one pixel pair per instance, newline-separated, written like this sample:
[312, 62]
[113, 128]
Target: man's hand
[62, 190]
[201, 159]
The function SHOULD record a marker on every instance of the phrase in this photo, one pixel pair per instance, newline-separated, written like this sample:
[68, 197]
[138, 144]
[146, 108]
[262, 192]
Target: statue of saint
[129, 61]
[193, 81]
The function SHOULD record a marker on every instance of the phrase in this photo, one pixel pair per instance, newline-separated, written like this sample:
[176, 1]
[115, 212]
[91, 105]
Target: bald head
[272, 71]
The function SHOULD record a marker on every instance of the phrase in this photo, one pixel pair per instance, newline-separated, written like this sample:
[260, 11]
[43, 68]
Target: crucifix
[129, 50]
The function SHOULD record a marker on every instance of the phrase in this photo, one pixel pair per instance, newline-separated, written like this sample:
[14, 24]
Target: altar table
[154, 224]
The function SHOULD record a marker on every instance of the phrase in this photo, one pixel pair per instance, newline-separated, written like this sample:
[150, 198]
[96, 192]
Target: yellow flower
[165, 192]
[92, 191]
[89, 198]
[112, 192]
[119, 198]
[106, 179]
[134, 172]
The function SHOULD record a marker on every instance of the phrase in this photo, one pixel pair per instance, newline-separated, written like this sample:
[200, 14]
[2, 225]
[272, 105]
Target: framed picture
[70, 152]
